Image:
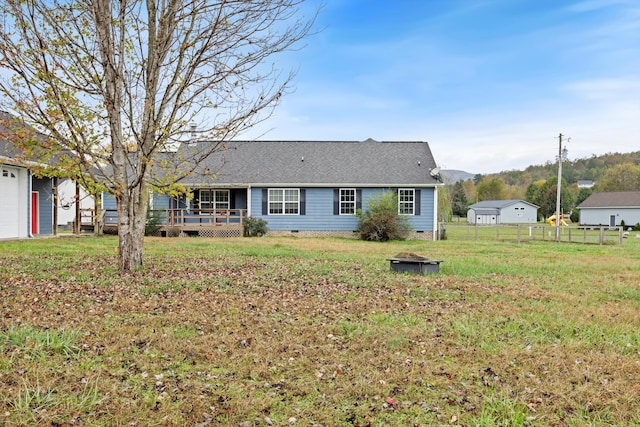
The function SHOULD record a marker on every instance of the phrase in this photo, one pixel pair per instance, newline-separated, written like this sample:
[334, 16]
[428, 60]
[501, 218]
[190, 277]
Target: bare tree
[118, 84]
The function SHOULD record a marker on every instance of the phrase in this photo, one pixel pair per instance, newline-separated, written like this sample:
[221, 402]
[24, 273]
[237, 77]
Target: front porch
[187, 222]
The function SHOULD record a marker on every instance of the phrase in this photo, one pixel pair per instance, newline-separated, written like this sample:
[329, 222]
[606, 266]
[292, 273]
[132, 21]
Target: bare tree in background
[118, 84]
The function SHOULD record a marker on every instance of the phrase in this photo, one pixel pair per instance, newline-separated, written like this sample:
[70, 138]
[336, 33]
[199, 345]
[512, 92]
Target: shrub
[153, 222]
[255, 227]
[575, 216]
[637, 226]
[443, 233]
[381, 222]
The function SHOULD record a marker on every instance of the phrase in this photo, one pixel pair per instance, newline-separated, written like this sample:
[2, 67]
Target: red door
[34, 212]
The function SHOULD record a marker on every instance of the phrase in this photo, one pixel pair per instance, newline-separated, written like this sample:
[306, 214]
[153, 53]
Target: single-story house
[585, 183]
[27, 207]
[611, 208]
[303, 188]
[489, 212]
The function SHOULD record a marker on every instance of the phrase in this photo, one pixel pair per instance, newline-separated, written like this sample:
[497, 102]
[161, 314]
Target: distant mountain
[451, 176]
[591, 168]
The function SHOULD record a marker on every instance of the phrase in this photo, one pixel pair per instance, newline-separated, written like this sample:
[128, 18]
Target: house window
[284, 201]
[221, 199]
[406, 201]
[347, 201]
[8, 174]
[214, 199]
[205, 199]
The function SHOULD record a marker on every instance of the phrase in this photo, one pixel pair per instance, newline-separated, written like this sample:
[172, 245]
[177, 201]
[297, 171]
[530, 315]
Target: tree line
[537, 184]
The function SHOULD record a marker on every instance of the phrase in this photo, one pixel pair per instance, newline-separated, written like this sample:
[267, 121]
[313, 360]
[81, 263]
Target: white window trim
[215, 201]
[283, 202]
[341, 203]
[212, 203]
[413, 201]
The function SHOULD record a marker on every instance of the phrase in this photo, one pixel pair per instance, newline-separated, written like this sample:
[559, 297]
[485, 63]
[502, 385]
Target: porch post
[248, 202]
[55, 206]
[76, 223]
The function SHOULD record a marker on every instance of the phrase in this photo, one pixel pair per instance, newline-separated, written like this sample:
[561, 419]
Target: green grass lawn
[319, 332]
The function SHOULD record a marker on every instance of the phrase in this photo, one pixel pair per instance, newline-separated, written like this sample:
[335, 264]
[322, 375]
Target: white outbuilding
[611, 208]
[489, 212]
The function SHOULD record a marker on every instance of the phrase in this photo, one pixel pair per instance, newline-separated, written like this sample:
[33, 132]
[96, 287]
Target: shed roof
[611, 199]
[365, 163]
[486, 211]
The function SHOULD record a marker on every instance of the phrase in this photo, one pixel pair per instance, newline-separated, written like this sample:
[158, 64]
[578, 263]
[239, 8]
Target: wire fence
[520, 233]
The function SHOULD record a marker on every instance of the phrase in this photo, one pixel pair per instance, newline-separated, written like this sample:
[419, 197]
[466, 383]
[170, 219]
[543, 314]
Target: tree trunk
[132, 214]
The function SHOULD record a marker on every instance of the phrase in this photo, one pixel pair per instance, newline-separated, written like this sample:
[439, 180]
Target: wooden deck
[184, 222]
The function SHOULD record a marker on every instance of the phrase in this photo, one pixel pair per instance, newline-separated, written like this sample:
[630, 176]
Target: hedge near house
[381, 221]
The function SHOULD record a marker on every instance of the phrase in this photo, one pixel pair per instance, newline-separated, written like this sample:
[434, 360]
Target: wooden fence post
[620, 234]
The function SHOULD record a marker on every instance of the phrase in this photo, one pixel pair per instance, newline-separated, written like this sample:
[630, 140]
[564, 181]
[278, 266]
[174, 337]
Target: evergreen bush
[381, 221]
[154, 217]
[255, 227]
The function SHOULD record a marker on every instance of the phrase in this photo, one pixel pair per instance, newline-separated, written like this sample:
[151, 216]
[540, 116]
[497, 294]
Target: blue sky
[488, 83]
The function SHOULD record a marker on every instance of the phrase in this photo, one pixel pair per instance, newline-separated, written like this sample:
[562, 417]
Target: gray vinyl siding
[602, 216]
[109, 203]
[44, 188]
[161, 201]
[318, 210]
[319, 213]
[426, 220]
[502, 212]
[519, 213]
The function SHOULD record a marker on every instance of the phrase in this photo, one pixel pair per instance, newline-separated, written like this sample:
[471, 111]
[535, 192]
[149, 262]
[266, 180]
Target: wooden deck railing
[89, 220]
[188, 218]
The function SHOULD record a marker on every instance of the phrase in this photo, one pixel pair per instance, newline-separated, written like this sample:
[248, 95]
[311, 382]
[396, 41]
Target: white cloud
[606, 89]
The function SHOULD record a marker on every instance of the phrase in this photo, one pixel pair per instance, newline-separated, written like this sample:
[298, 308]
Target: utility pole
[558, 218]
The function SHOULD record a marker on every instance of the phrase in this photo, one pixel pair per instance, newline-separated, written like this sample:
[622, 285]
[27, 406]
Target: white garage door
[10, 223]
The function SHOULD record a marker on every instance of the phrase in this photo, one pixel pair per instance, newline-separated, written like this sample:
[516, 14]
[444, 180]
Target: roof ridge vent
[369, 140]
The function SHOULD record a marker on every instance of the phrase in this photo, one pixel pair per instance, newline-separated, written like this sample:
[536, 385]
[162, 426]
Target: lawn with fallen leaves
[319, 332]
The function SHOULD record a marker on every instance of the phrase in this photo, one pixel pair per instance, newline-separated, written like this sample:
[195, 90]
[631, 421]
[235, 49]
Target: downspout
[29, 213]
[55, 206]
[436, 232]
[78, 217]
[248, 201]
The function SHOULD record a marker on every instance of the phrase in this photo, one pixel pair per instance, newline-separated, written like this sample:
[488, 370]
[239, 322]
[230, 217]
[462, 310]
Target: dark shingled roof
[612, 199]
[9, 153]
[316, 163]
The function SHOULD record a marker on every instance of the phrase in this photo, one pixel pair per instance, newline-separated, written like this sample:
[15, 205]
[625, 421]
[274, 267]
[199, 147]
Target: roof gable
[318, 162]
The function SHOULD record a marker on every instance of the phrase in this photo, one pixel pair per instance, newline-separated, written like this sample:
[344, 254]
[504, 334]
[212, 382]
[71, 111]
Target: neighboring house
[26, 201]
[502, 212]
[586, 183]
[611, 208]
[304, 188]
[67, 203]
